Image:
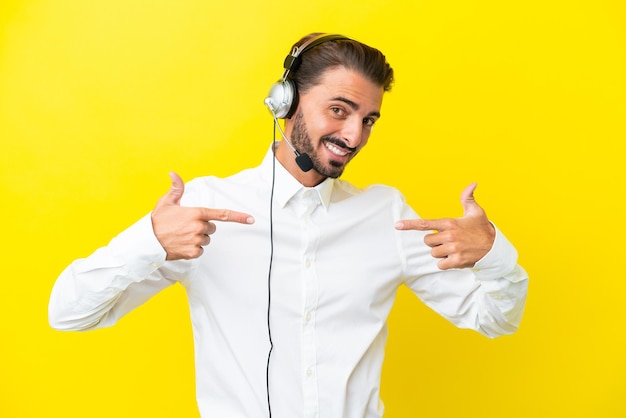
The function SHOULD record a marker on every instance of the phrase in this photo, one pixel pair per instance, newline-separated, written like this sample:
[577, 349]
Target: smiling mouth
[337, 150]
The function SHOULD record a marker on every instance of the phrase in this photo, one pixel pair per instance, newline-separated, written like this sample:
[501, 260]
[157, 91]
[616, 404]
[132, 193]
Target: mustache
[340, 143]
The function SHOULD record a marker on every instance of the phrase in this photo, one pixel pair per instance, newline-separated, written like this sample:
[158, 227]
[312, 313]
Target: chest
[345, 259]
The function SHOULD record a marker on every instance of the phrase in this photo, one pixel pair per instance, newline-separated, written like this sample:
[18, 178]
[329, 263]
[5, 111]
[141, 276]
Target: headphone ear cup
[282, 98]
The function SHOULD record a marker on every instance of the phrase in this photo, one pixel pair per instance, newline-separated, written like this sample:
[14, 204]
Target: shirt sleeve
[488, 298]
[96, 291]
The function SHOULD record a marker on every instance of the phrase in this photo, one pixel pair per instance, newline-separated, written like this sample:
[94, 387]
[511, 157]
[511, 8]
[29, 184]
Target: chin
[332, 171]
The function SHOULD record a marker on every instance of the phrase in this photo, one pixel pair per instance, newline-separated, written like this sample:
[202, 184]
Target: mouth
[338, 150]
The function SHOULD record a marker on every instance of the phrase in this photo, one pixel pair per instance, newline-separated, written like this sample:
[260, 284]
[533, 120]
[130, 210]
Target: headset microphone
[303, 160]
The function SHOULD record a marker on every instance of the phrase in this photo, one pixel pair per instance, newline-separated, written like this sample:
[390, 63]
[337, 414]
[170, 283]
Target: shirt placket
[310, 289]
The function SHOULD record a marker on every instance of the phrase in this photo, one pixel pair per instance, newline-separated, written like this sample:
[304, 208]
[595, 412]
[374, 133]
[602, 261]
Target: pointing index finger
[421, 224]
[227, 215]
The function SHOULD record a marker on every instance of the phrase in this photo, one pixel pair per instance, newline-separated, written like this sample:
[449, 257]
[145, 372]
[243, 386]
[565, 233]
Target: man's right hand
[184, 231]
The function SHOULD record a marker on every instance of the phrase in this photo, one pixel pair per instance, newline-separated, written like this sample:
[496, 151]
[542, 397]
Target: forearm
[488, 298]
[504, 286]
[501, 310]
[96, 291]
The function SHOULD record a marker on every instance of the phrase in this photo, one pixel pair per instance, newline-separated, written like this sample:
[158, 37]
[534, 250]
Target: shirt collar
[286, 186]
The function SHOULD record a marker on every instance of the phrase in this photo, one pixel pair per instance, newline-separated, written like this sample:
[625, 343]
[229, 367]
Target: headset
[282, 99]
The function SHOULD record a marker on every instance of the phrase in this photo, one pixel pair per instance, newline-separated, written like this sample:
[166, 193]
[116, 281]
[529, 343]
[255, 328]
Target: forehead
[343, 82]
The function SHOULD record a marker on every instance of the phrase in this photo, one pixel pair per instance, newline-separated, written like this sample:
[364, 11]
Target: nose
[352, 132]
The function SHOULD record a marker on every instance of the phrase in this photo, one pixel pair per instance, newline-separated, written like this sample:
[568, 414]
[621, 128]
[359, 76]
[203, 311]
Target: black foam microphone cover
[304, 162]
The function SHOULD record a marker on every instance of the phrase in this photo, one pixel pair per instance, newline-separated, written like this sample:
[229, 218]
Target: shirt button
[308, 316]
[309, 372]
[155, 265]
[307, 263]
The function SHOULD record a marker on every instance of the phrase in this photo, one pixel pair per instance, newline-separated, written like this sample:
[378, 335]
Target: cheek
[316, 129]
[365, 138]
[325, 127]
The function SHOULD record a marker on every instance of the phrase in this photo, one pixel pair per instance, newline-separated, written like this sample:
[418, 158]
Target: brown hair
[348, 53]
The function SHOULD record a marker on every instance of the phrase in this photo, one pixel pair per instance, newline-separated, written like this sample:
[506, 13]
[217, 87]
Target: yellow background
[100, 99]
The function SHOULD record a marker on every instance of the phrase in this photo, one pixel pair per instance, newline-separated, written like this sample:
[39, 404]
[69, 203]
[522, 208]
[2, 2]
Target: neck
[286, 156]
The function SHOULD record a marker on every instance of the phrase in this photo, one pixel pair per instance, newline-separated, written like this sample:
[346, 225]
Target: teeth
[335, 150]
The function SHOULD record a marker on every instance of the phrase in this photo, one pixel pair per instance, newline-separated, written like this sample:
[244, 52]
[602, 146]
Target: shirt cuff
[499, 261]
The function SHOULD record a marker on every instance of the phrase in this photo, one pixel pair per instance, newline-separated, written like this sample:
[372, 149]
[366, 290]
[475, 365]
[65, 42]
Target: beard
[302, 142]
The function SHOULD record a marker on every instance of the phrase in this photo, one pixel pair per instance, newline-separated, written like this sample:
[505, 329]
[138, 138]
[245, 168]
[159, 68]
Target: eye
[339, 111]
[369, 122]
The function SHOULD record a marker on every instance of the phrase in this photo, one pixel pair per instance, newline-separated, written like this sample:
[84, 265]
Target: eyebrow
[354, 105]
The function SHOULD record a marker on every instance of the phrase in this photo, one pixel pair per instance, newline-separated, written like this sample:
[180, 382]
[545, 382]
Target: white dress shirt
[337, 264]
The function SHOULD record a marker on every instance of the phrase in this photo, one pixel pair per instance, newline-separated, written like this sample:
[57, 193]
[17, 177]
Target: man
[289, 296]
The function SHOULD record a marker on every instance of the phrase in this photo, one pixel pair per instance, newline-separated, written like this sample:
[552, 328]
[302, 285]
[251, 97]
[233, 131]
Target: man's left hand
[458, 242]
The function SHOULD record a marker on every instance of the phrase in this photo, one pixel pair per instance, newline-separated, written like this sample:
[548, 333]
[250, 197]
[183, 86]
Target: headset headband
[292, 61]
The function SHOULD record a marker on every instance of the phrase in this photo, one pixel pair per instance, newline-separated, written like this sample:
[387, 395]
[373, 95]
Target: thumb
[173, 195]
[470, 207]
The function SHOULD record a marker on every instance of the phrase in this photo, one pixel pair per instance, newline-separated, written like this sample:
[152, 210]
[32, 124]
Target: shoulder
[206, 189]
